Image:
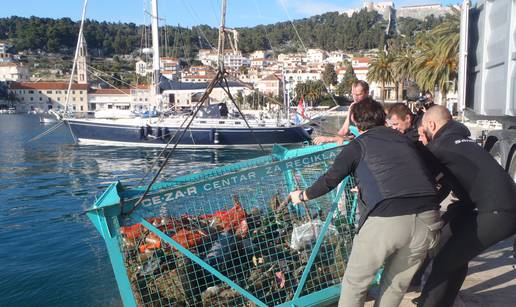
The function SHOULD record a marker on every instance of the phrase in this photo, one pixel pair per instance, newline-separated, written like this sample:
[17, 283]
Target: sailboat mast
[222, 35]
[155, 50]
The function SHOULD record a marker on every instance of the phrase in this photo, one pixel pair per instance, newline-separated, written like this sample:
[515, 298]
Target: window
[39, 92]
[73, 92]
[74, 108]
[31, 92]
[82, 109]
[40, 98]
[49, 92]
[58, 92]
[80, 92]
[58, 98]
[31, 99]
[82, 99]
[73, 98]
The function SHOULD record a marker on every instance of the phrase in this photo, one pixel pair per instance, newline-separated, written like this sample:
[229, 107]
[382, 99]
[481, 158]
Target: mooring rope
[167, 158]
[46, 132]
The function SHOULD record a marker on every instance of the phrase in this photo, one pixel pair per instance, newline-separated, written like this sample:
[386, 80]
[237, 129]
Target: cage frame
[108, 209]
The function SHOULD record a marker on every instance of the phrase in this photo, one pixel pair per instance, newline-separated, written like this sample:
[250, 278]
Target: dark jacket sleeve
[345, 164]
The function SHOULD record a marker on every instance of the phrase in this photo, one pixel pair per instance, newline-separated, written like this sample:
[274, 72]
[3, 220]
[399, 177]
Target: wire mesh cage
[229, 237]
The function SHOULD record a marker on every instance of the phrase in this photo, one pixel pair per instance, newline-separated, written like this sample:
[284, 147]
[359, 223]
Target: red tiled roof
[361, 59]
[47, 86]
[169, 58]
[11, 64]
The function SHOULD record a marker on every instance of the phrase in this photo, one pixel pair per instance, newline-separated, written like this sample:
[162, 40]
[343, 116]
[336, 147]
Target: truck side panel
[491, 83]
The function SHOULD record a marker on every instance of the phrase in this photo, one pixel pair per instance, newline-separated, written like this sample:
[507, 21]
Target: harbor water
[51, 254]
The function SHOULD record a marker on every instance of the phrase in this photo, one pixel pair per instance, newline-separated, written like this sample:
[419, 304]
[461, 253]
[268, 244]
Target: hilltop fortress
[386, 8]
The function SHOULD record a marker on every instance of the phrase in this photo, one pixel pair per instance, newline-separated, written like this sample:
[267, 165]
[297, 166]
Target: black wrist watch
[302, 196]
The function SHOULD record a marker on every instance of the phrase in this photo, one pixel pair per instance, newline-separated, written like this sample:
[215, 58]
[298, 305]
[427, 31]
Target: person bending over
[486, 196]
[399, 212]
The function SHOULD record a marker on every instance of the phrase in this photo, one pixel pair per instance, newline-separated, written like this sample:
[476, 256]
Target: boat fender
[142, 133]
[148, 131]
[215, 136]
[166, 134]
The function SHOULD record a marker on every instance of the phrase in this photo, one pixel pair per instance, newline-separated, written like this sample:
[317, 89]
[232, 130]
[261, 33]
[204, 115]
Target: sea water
[51, 255]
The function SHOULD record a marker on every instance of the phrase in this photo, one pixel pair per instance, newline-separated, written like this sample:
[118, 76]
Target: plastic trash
[306, 234]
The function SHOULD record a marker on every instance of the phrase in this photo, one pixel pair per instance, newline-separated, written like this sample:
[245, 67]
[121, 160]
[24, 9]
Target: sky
[240, 13]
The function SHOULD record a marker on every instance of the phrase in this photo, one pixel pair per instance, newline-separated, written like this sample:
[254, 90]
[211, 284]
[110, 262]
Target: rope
[197, 108]
[292, 23]
[107, 74]
[46, 132]
[226, 89]
[110, 84]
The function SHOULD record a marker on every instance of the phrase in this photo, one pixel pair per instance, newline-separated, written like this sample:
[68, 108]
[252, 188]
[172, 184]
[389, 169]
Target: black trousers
[472, 233]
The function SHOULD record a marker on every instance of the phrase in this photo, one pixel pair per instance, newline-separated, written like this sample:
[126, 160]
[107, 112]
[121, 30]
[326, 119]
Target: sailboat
[207, 126]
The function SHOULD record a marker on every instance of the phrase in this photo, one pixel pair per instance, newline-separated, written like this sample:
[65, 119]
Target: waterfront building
[109, 98]
[180, 95]
[43, 96]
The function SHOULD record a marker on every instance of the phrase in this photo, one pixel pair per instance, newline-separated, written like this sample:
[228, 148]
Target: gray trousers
[399, 243]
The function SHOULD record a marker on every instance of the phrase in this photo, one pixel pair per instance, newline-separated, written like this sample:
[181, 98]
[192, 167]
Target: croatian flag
[300, 112]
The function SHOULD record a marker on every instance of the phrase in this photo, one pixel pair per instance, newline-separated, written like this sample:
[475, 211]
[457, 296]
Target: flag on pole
[301, 107]
[299, 116]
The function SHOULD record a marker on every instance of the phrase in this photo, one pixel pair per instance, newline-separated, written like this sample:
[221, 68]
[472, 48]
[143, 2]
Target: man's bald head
[438, 114]
[433, 120]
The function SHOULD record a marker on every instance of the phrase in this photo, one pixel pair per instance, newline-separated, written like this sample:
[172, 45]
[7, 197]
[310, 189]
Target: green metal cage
[228, 237]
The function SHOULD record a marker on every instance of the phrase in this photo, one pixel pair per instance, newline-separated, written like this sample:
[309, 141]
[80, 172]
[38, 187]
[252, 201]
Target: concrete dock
[491, 280]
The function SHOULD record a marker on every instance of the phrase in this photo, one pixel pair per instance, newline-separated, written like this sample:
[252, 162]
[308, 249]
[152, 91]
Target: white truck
[487, 74]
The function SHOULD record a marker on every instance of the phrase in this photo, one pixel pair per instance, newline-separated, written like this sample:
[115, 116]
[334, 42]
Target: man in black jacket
[402, 119]
[487, 194]
[399, 217]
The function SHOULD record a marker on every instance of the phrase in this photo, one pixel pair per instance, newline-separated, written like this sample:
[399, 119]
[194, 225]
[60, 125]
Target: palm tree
[316, 90]
[301, 89]
[437, 58]
[402, 67]
[381, 70]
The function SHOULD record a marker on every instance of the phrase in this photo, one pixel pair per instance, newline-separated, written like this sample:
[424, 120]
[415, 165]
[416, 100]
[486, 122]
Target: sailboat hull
[96, 133]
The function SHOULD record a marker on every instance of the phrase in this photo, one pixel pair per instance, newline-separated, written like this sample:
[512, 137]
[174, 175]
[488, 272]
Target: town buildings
[12, 71]
[43, 96]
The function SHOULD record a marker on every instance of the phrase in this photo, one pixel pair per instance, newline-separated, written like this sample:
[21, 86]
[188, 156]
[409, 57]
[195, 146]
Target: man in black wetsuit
[399, 212]
[487, 195]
